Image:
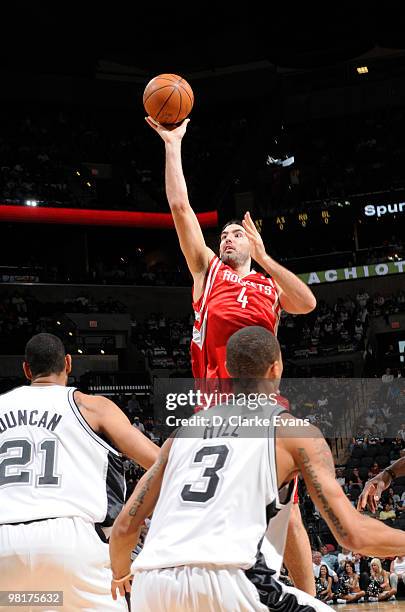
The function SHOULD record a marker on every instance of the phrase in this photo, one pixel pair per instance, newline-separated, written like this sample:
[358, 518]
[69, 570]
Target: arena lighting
[362, 69]
[102, 352]
[118, 218]
[80, 351]
[31, 203]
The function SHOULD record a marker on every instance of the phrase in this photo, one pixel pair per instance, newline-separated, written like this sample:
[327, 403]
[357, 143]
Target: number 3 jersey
[52, 464]
[217, 495]
[227, 304]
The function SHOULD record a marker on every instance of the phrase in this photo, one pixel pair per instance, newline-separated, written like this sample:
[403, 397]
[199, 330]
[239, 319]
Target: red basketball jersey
[227, 304]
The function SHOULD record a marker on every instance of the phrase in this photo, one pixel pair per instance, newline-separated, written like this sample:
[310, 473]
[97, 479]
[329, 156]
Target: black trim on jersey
[76, 411]
[271, 448]
[115, 488]
[271, 511]
[285, 493]
[271, 592]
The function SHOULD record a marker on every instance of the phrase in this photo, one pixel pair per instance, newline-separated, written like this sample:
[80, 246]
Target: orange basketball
[168, 98]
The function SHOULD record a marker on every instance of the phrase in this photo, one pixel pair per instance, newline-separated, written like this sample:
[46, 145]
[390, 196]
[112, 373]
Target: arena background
[299, 118]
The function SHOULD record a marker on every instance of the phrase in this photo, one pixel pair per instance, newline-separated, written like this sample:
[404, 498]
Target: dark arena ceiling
[90, 38]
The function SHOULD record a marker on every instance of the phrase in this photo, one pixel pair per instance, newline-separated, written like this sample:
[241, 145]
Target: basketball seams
[155, 90]
[165, 102]
[177, 117]
[163, 106]
[185, 90]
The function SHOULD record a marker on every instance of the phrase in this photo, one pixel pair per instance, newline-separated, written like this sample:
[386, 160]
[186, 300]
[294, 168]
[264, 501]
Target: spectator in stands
[401, 432]
[328, 556]
[375, 469]
[358, 440]
[361, 567]
[379, 588]
[316, 566]
[344, 556]
[133, 406]
[323, 585]
[370, 416]
[401, 504]
[340, 477]
[387, 377]
[397, 570]
[349, 589]
[355, 484]
[396, 446]
[362, 298]
[388, 513]
[137, 423]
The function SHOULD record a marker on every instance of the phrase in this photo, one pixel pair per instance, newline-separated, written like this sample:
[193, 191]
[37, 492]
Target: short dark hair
[45, 354]
[232, 222]
[251, 351]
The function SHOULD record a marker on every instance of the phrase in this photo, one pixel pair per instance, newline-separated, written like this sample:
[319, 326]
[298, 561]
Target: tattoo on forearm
[324, 455]
[145, 488]
[327, 460]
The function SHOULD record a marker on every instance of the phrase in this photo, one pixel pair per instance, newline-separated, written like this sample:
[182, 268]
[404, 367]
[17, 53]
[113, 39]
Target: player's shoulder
[211, 256]
[91, 402]
[7, 395]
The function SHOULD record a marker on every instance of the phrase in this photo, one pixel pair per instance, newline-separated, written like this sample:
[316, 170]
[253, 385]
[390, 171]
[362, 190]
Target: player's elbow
[125, 525]
[356, 537]
[179, 205]
[310, 304]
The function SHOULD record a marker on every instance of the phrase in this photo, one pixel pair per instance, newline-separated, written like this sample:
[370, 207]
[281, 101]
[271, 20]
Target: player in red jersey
[228, 295]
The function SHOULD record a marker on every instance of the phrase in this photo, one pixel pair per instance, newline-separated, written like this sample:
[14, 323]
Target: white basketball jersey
[52, 464]
[216, 494]
[273, 544]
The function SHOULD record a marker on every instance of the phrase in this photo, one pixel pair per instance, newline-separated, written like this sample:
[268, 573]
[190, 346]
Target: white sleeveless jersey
[273, 544]
[218, 493]
[52, 464]
[399, 566]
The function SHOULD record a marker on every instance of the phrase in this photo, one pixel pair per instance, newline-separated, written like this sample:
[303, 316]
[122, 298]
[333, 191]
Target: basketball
[168, 98]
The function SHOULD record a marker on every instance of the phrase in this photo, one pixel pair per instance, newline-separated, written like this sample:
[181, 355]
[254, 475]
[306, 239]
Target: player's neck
[52, 379]
[243, 270]
[266, 386]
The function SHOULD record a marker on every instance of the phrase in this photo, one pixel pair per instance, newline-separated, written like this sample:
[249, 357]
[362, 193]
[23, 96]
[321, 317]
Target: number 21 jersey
[227, 304]
[52, 464]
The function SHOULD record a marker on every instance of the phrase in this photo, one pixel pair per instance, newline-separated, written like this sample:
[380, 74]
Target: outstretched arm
[308, 452]
[107, 418]
[373, 488]
[191, 238]
[127, 526]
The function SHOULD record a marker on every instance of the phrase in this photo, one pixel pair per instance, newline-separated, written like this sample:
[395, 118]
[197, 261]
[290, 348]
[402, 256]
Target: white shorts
[205, 589]
[61, 554]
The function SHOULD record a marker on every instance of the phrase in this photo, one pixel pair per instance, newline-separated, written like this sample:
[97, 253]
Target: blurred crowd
[332, 329]
[94, 158]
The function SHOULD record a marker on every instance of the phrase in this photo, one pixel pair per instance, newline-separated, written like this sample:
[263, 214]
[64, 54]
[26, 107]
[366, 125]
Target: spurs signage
[341, 274]
[380, 210]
